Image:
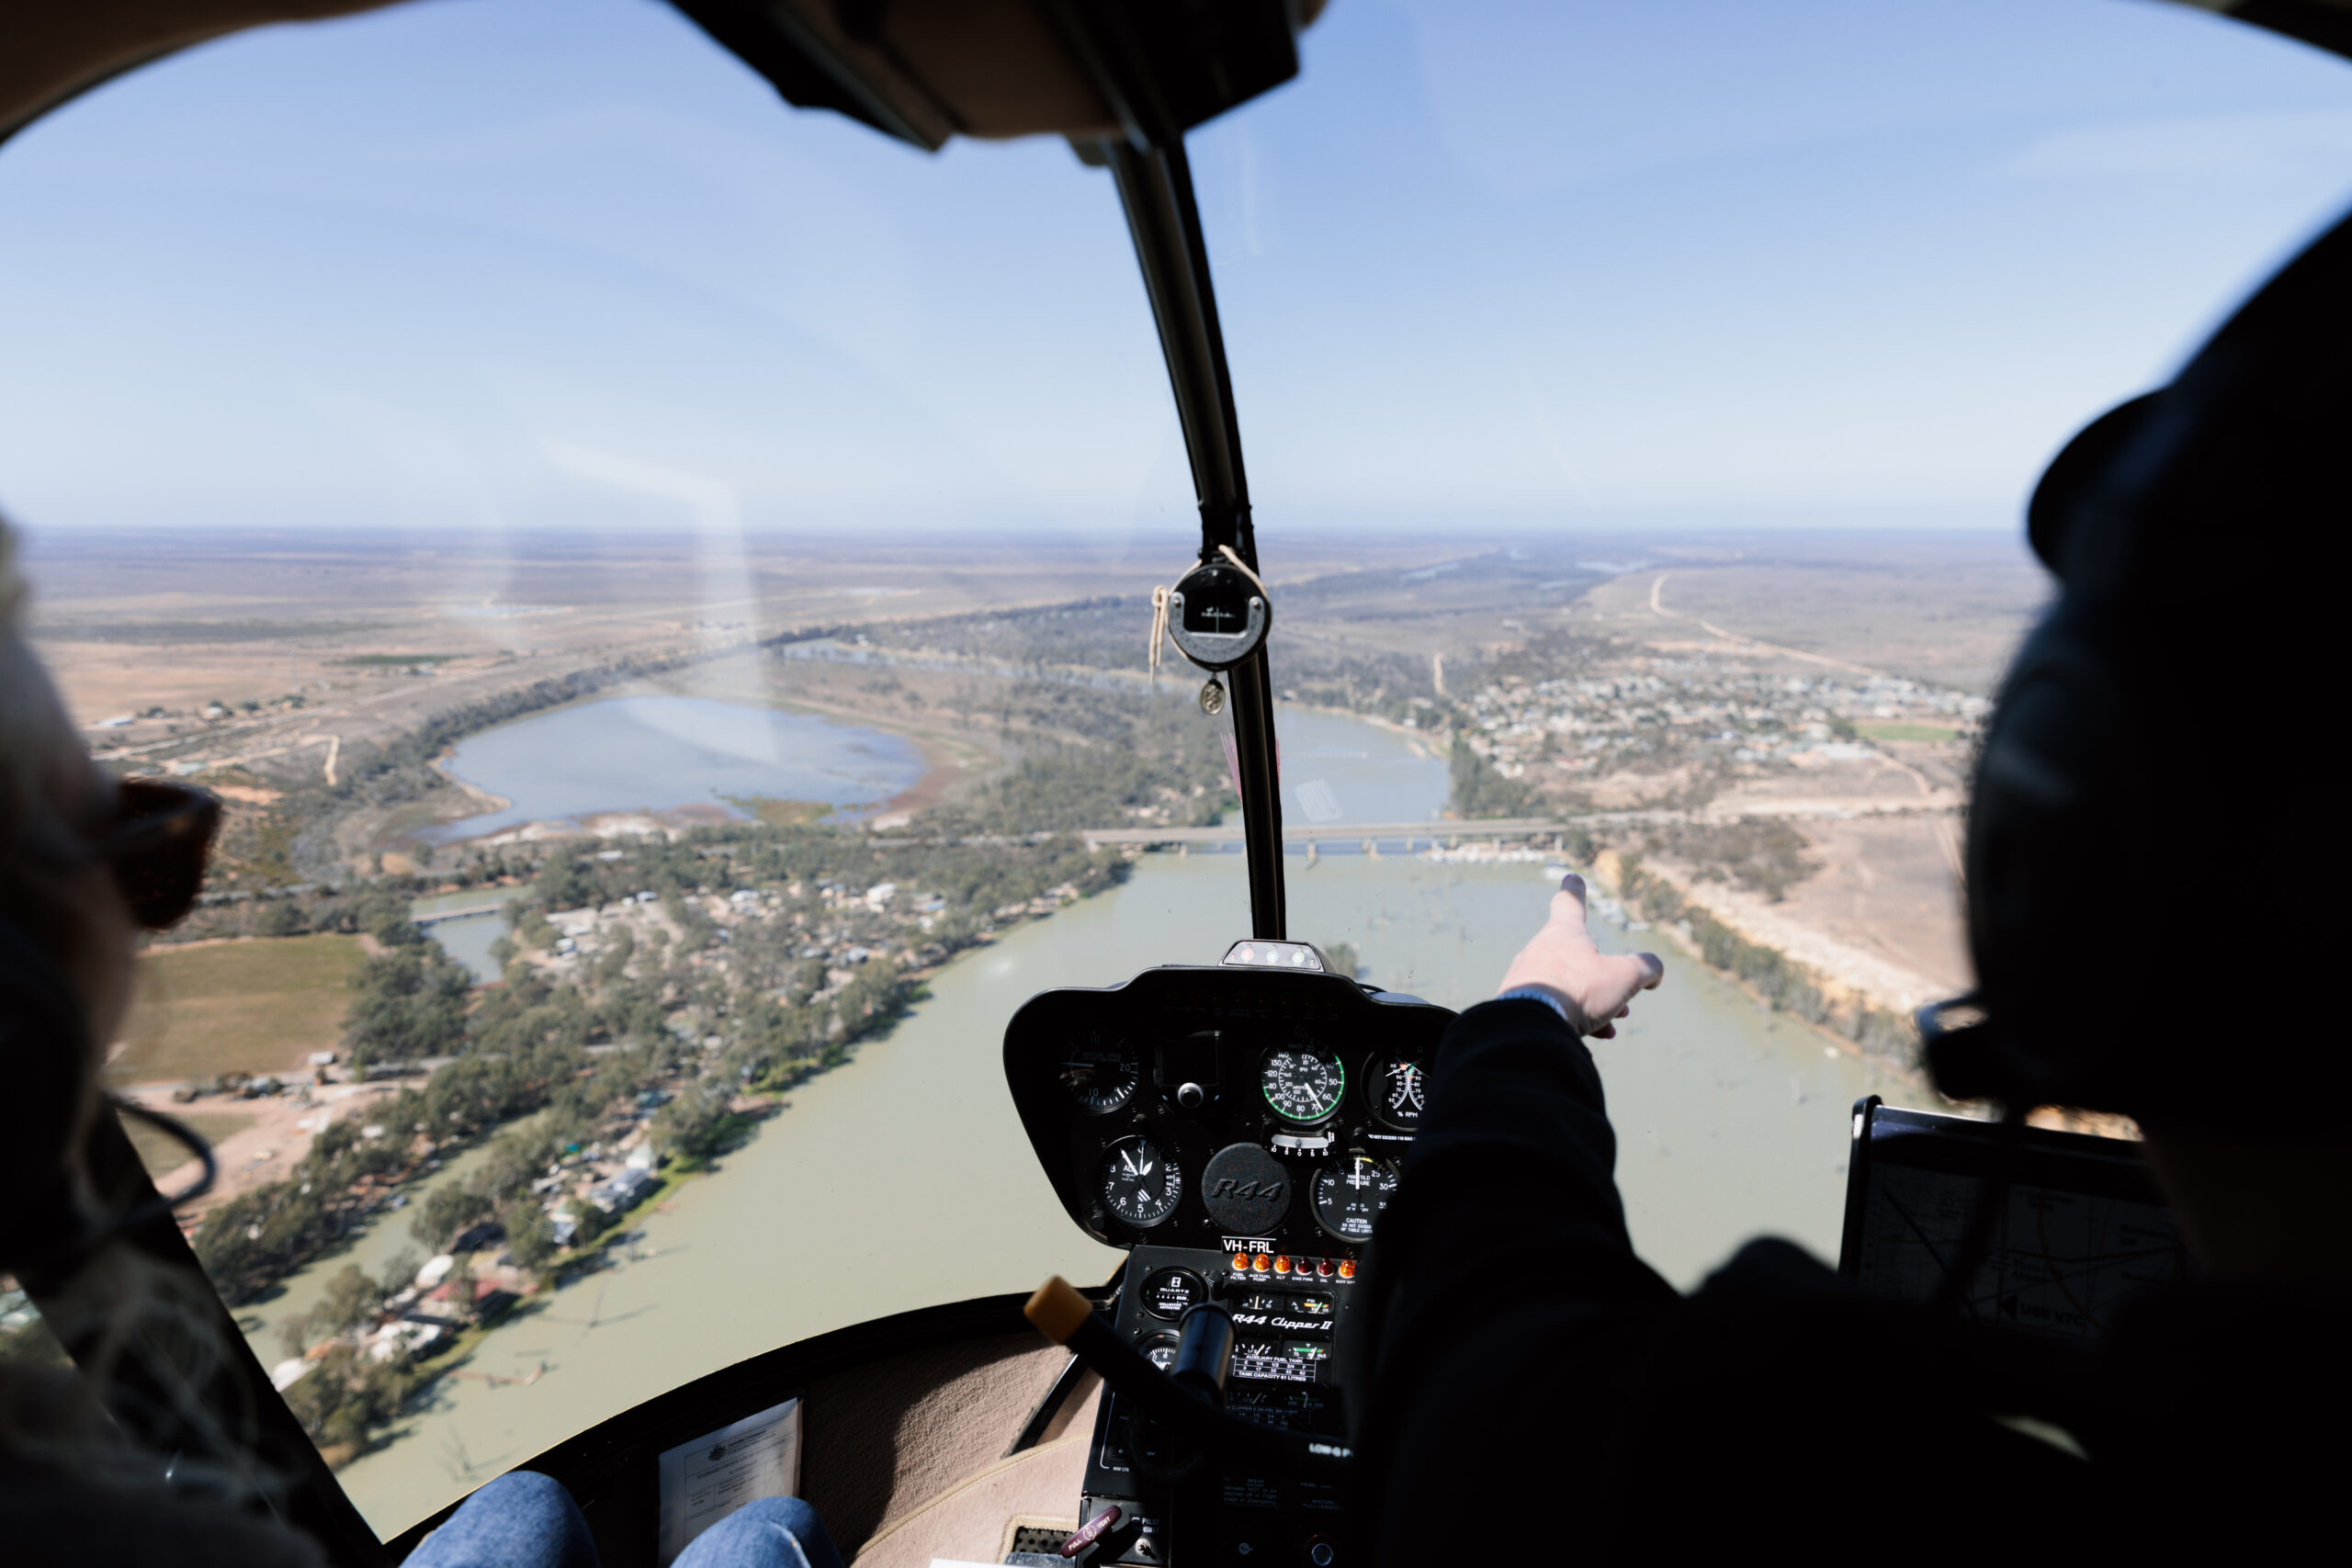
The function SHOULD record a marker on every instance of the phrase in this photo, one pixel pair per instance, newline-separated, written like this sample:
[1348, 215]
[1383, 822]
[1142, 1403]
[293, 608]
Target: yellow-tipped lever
[1057, 1310]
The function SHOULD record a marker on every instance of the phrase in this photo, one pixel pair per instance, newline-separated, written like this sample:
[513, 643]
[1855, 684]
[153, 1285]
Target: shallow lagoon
[655, 753]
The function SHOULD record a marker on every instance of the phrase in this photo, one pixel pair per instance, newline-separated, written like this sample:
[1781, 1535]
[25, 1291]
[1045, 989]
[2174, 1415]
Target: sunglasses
[157, 846]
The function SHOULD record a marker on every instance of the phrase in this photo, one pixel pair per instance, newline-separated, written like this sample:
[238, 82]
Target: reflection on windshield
[661, 585]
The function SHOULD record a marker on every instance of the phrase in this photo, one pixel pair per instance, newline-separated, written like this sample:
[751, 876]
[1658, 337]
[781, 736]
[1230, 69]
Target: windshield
[662, 582]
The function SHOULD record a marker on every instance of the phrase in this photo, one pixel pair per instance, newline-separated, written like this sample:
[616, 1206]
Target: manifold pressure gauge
[1218, 615]
[1349, 1196]
[1140, 1185]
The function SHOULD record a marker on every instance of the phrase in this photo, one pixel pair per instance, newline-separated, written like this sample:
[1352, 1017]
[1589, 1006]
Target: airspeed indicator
[1302, 1084]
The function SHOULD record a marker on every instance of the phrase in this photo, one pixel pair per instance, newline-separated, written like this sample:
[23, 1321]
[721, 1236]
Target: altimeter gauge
[1302, 1084]
[1099, 1074]
[1140, 1185]
[1351, 1195]
[1395, 1090]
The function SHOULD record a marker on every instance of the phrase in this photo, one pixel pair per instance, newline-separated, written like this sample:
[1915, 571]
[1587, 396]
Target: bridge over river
[1388, 836]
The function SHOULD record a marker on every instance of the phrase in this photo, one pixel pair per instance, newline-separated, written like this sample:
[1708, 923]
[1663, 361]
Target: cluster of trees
[380, 908]
[576, 1113]
[1785, 984]
[411, 1003]
[346, 1396]
[1480, 789]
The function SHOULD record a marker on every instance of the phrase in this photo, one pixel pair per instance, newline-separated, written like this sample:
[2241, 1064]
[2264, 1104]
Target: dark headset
[43, 1045]
[2152, 749]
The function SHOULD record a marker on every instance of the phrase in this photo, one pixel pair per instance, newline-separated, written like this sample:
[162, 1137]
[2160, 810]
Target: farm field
[257, 1005]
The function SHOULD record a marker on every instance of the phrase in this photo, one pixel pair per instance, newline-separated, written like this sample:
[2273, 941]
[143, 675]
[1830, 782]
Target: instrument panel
[1252, 1112]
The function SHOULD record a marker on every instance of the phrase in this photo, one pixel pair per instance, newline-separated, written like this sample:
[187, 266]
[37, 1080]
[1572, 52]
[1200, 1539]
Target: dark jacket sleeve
[1512, 1175]
[1512, 1365]
[1505, 1245]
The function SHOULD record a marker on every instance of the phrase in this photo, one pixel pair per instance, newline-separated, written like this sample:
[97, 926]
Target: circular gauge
[1350, 1196]
[1160, 1350]
[1395, 1092]
[1099, 1074]
[1170, 1293]
[1302, 1084]
[1140, 1183]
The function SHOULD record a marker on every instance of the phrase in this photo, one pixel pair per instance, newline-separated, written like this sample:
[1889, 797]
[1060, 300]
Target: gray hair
[139, 1322]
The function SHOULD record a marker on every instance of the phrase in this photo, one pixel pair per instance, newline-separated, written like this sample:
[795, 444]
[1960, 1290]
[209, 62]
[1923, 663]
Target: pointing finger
[1657, 968]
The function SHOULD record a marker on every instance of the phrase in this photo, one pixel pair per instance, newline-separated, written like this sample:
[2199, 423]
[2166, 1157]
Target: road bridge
[471, 910]
[1405, 836]
[1391, 837]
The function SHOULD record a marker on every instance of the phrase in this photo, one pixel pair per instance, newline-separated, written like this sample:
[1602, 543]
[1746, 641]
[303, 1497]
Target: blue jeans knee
[522, 1519]
[775, 1533]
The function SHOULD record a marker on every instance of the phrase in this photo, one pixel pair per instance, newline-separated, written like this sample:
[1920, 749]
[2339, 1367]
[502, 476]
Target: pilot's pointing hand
[1595, 987]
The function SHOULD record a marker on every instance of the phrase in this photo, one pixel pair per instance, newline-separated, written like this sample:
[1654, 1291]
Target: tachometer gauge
[1099, 1074]
[1350, 1196]
[1302, 1084]
[1140, 1184]
[1395, 1092]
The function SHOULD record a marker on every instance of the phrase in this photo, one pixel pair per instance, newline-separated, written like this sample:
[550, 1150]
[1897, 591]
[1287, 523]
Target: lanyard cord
[1159, 597]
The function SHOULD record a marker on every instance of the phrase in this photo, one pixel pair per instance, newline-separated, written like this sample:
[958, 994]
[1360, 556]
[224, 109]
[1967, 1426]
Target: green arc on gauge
[1308, 1059]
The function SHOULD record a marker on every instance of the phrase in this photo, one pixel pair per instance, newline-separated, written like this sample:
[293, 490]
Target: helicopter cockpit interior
[1222, 1137]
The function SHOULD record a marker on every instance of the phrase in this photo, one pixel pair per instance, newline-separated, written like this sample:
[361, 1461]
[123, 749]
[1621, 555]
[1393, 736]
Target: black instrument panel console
[1252, 1112]
[1238, 1131]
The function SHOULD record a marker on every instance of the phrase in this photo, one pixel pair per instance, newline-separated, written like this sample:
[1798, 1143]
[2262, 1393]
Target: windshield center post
[1155, 187]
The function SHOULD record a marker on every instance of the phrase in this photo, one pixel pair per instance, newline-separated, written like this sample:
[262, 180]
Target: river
[903, 1179]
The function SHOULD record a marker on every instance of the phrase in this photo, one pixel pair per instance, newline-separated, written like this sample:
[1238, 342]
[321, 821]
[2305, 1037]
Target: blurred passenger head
[2152, 895]
[66, 939]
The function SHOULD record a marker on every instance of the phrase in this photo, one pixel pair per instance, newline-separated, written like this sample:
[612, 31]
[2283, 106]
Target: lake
[903, 1179]
[658, 753]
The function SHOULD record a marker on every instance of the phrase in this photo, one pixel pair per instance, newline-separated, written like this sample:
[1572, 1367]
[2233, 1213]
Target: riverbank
[1848, 1016]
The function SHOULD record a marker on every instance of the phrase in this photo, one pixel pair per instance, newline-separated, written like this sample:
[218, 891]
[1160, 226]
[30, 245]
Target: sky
[495, 265]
